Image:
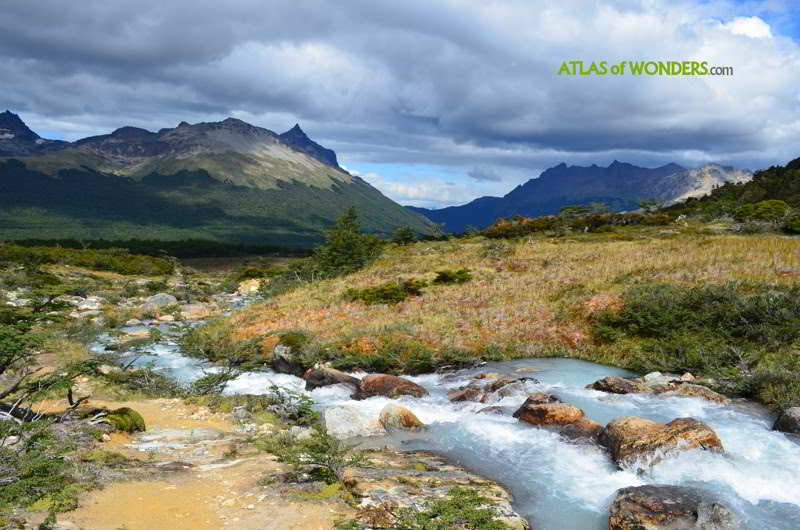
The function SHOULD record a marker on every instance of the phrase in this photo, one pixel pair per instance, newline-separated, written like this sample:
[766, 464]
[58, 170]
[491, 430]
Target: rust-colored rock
[657, 507]
[394, 416]
[388, 386]
[549, 414]
[471, 392]
[635, 441]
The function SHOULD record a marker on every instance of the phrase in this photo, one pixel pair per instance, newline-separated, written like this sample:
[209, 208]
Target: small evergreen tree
[346, 249]
[404, 236]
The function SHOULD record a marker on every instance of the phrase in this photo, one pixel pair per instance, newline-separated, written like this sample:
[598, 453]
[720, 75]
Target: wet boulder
[284, 361]
[541, 398]
[667, 385]
[498, 388]
[641, 443]
[698, 391]
[582, 430]
[470, 392]
[397, 417]
[614, 385]
[321, 375]
[346, 422]
[496, 409]
[508, 387]
[788, 421]
[661, 507]
[548, 414]
[389, 386]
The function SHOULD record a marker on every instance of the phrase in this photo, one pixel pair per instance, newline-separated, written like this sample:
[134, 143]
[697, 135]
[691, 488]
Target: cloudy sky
[435, 102]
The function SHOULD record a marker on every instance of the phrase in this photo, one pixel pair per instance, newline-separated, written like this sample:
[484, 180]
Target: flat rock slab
[412, 479]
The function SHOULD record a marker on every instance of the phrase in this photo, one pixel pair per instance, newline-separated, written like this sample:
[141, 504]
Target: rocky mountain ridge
[225, 181]
[620, 185]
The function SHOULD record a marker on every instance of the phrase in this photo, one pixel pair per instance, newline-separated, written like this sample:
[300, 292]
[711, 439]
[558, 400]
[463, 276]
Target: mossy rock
[101, 456]
[126, 419]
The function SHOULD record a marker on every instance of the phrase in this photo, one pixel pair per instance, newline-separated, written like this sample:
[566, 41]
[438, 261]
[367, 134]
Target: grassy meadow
[537, 296]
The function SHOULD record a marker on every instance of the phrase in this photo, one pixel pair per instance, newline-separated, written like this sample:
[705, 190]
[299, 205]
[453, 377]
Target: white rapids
[560, 485]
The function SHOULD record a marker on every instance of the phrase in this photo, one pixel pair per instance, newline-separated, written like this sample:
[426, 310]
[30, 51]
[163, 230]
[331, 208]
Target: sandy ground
[219, 491]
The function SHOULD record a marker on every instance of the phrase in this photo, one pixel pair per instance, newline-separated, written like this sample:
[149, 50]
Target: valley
[218, 361]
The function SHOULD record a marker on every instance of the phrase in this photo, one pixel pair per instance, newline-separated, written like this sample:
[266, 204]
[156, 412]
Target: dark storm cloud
[463, 84]
[484, 173]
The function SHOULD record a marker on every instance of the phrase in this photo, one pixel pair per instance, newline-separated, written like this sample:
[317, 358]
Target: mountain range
[621, 186]
[225, 181]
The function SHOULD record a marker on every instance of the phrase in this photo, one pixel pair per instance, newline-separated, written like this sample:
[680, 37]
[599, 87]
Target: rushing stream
[560, 485]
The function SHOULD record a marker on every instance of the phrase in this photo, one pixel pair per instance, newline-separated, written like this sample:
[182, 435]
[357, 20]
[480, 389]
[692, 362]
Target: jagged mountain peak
[12, 124]
[298, 139]
[296, 131]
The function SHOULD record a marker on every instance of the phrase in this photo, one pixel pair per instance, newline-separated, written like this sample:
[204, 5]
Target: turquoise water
[561, 485]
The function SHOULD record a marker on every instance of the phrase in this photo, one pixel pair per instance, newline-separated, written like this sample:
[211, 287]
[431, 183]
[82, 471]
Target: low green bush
[494, 249]
[38, 471]
[115, 260]
[322, 455]
[447, 276]
[598, 222]
[213, 382]
[146, 382]
[792, 224]
[387, 293]
[746, 334]
[770, 210]
[214, 341]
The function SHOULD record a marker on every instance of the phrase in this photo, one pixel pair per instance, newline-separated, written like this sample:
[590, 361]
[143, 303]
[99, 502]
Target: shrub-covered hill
[777, 183]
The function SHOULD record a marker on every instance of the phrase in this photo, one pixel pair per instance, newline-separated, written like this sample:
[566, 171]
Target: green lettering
[637, 68]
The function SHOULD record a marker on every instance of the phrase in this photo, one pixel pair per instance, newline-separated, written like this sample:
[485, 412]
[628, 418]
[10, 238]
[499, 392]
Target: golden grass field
[528, 301]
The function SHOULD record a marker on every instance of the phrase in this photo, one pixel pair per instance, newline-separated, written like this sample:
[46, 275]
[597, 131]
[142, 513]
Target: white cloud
[752, 27]
[421, 190]
[453, 83]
